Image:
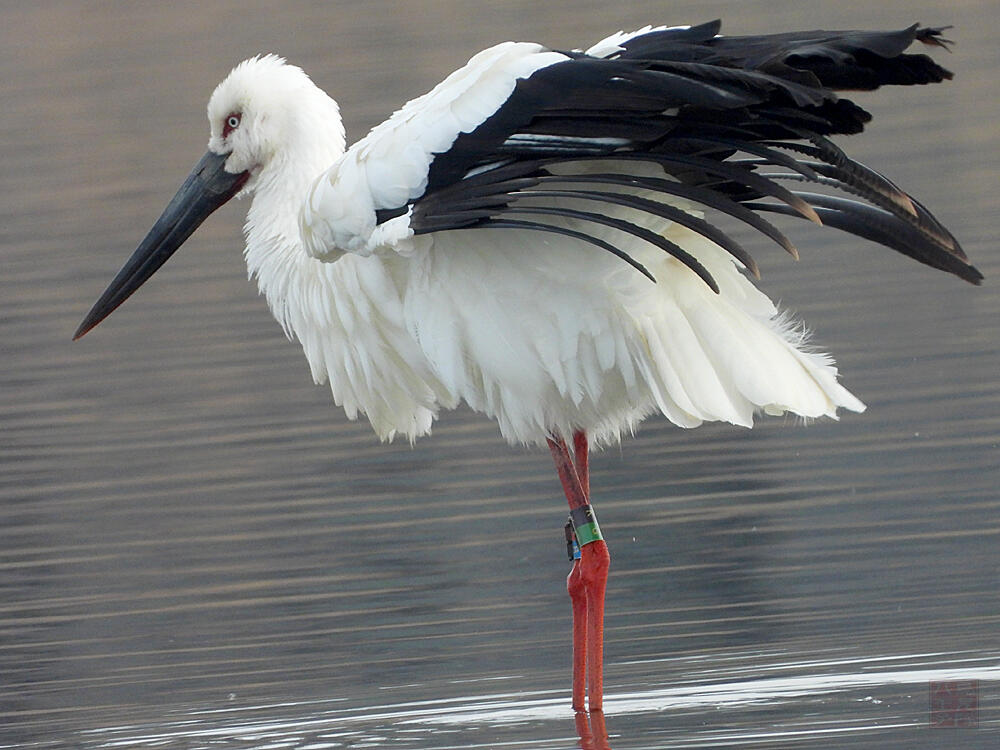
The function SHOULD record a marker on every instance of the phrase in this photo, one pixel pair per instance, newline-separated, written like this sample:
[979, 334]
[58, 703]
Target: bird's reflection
[592, 730]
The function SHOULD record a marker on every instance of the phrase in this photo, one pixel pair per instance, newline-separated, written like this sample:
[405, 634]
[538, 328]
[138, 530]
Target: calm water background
[197, 549]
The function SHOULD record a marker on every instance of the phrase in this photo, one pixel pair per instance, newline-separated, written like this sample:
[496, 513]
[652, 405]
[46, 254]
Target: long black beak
[207, 187]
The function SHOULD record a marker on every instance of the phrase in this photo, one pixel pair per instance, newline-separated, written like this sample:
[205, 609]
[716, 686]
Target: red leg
[594, 565]
[588, 579]
[567, 473]
[581, 455]
[574, 583]
[578, 598]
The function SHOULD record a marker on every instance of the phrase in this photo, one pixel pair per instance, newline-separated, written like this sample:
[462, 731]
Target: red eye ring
[232, 122]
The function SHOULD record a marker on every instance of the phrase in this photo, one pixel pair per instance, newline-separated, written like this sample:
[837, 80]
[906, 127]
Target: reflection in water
[871, 698]
[592, 730]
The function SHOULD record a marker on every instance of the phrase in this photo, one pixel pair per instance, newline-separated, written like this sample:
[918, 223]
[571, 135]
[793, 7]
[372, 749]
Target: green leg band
[585, 524]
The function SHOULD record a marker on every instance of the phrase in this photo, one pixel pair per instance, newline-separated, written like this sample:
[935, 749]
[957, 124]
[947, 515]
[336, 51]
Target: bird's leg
[588, 579]
[594, 562]
[578, 600]
[576, 497]
[574, 583]
[581, 455]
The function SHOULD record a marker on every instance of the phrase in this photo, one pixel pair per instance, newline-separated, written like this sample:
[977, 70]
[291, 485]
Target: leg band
[572, 548]
[585, 525]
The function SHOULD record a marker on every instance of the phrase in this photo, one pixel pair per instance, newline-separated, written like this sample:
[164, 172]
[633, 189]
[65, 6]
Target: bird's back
[503, 203]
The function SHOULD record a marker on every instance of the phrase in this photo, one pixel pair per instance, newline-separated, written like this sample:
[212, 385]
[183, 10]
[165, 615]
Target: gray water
[198, 550]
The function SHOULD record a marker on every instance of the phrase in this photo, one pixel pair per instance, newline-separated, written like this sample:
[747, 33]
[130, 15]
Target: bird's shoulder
[389, 167]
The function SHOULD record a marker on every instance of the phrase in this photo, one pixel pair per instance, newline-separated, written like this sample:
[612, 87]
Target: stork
[536, 237]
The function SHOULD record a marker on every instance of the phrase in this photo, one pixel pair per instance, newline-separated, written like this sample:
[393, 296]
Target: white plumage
[532, 238]
[389, 166]
[531, 320]
[544, 334]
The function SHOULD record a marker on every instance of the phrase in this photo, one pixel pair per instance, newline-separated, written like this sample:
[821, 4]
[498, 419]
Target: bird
[544, 237]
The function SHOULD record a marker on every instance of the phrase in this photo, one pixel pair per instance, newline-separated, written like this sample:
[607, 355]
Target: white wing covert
[389, 167]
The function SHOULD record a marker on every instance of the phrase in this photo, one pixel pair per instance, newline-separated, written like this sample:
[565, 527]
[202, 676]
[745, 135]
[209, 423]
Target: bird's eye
[232, 122]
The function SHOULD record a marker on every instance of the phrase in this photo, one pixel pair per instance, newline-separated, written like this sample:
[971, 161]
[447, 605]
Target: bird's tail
[724, 357]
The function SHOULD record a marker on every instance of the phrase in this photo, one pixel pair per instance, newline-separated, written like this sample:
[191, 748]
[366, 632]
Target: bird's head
[262, 112]
[263, 109]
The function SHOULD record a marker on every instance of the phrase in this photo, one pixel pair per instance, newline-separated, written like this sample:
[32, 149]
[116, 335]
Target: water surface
[198, 550]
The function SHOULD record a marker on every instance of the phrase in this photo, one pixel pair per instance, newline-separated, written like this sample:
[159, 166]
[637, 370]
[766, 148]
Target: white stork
[530, 237]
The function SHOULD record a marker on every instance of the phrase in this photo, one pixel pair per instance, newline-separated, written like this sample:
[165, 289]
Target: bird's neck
[274, 253]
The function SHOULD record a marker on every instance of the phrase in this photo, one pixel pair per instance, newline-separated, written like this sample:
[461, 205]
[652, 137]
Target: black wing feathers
[728, 119]
[838, 60]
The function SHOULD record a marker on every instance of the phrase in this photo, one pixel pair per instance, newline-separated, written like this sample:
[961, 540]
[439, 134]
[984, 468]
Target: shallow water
[198, 550]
